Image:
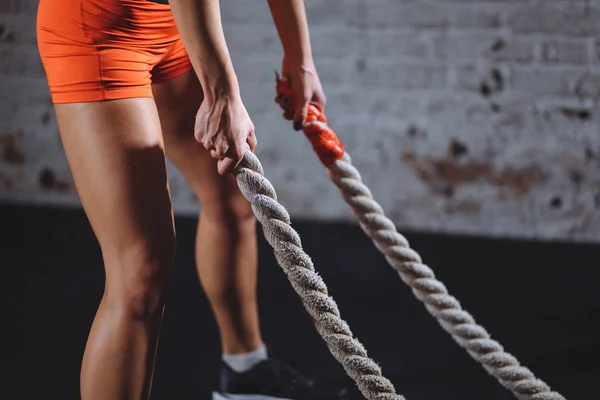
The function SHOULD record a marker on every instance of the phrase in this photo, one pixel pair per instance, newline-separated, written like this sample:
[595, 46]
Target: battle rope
[308, 284]
[421, 279]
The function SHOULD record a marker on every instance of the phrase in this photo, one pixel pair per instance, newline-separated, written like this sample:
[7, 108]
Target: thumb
[224, 165]
[232, 158]
[300, 114]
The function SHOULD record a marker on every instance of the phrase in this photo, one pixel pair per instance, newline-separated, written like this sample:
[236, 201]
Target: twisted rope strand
[421, 279]
[444, 307]
[308, 284]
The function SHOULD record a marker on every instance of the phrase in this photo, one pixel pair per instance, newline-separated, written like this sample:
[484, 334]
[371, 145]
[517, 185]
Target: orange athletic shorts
[94, 50]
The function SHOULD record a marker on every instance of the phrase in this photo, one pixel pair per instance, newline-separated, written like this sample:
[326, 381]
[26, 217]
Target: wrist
[299, 60]
[222, 86]
[298, 65]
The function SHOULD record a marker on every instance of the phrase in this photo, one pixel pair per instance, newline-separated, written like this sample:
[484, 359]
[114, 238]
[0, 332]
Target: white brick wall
[464, 116]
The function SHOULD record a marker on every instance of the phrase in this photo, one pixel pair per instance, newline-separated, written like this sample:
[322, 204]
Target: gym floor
[537, 299]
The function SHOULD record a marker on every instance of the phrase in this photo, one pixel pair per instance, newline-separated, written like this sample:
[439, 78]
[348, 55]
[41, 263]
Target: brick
[484, 78]
[256, 69]
[395, 14]
[17, 28]
[357, 105]
[475, 15]
[404, 75]
[20, 60]
[596, 51]
[23, 6]
[483, 45]
[511, 49]
[336, 71]
[248, 40]
[571, 82]
[245, 12]
[484, 2]
[259, 69]
[567, 3]
[319, 13]
[23, 90]
[35, 118]
[7, 115]
[576, 20]
[390, 45]
[588, 84]
[565, 113]
[556, 51]
[335, 42]
[333, 13]
[6, 6]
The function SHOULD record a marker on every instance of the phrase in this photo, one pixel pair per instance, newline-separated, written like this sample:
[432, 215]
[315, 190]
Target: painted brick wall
[470, 116]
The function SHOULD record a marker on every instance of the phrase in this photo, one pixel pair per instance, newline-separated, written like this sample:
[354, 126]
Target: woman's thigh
[116, 155]
[98, 57]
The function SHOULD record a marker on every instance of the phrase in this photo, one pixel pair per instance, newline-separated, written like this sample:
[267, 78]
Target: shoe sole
[228, 396]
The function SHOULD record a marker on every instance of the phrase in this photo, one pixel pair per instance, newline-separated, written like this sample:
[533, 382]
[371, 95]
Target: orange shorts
[95, 50]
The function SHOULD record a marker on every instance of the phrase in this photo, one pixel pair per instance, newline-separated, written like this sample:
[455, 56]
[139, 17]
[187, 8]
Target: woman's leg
[226, 248]
[115, 151]
[226, 256]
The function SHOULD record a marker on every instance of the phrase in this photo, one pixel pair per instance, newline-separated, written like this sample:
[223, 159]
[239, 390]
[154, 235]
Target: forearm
[290, 21]
[199, 24]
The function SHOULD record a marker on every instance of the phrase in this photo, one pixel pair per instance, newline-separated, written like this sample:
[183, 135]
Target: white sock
[244, 362]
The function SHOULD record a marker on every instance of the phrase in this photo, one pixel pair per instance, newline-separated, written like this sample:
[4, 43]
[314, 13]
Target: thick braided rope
[308, 284]
[444, 307]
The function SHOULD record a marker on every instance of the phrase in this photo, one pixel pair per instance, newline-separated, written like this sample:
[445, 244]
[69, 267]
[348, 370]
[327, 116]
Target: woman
[127, 78]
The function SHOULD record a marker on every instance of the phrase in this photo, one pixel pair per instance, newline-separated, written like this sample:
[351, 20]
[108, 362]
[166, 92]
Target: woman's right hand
[223, 127]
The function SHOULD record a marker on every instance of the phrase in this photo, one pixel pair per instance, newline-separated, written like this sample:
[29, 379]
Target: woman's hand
[222, 122]
[306, 87]
[223, 127]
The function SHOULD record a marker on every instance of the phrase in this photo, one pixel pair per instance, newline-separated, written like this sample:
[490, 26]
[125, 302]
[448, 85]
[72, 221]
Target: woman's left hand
[306, 87]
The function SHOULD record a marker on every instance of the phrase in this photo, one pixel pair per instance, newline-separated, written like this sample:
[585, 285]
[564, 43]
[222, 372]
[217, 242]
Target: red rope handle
[324, 141]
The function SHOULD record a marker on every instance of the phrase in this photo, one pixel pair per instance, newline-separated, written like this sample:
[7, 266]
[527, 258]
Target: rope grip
[324, 141]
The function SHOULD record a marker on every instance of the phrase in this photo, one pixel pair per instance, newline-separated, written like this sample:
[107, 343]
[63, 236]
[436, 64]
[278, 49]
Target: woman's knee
[231, 209]
[138, 281]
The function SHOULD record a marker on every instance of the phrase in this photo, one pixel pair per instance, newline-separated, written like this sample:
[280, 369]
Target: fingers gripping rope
[308, 284]
[323, 139]
[444, 307]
